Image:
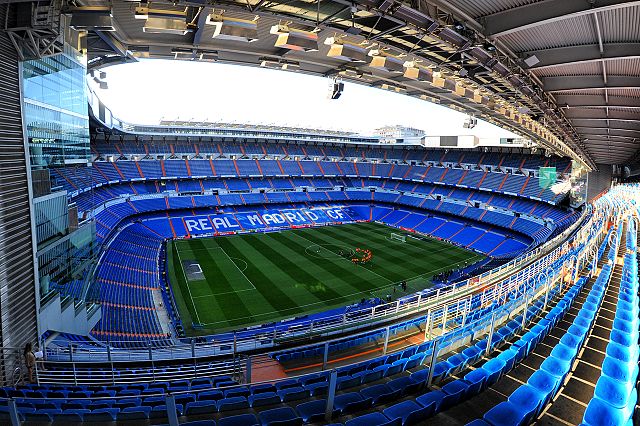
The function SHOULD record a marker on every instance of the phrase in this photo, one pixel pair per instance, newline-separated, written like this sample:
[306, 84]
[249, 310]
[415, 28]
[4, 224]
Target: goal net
[398, 237]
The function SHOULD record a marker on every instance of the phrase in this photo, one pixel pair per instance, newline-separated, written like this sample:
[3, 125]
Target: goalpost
[398, 237]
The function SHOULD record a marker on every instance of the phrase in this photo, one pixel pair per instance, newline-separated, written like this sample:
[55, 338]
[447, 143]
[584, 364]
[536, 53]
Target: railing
[353, 321]
[448, 341]
[113, 373]
[527, 284]
[515, 296]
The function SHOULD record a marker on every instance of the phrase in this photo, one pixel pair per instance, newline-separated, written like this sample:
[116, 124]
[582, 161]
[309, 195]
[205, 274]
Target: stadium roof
[565, 73]
[588, 59]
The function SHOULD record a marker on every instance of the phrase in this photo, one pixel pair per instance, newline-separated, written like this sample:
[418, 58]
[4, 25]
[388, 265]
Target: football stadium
[156, 270]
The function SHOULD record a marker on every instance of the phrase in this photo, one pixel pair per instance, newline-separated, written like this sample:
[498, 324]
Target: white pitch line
[187, 283]
[373, 272]
[220, 294]
[234, 264]
[323, 302]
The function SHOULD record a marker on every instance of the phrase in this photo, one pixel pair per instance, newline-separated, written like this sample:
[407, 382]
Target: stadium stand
[209, 273]
[474, 201]
[468, 358]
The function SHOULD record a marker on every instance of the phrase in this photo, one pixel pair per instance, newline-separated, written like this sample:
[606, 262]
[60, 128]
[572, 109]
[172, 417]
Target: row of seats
[76, 179]
[109, 218]
[89, 200]
[315, 384]
[528, 400]
[122, 404]
[616, 391]
[388, 153]
[129, 271]
[415, 411]
[478, 311]
[125, 281]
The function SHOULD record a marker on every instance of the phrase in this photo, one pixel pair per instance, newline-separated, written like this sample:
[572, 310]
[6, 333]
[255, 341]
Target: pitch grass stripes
[342, 268]
[401, 256]
[270, 290]
[230, 302]
[301, 275]
[296, 272]
[374, 279]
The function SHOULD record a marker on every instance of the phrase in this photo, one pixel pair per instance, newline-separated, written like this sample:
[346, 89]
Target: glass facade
[55, 110]
[51, 213]
[64, 266]
[55, 113]
[579, 175]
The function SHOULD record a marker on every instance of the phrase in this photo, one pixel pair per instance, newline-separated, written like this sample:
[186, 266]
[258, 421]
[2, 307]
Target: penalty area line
[186, 281]
[240, 270]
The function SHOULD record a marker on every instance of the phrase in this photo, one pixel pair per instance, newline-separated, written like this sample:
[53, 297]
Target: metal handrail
[497, 292]
[376, 315]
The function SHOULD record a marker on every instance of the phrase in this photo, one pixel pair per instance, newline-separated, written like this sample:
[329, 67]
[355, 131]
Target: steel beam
[576, 55]
[112, 42]
[609, 114]
[544, 12]
[583, 82]
[621, 145]
[625, 146]
[597, 101]
[202, 22]
[599, 133]
[619, 124]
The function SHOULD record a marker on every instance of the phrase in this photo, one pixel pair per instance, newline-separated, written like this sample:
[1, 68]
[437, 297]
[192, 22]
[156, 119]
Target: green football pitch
[228, 282]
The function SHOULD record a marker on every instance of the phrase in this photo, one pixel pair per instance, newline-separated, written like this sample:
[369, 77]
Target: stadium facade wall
[18, 323]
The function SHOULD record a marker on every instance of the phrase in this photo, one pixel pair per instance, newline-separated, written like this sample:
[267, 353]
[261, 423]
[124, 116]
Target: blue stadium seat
[312, 411]
[233, 403]
[525, 399]
[239, 420]
[349, 402]
[599, 413]
[476, 379]
[430, 398]
[199, 423]
[615, 393]
[410, 412]
[200, 407]
[265, 398]
[380, 393]
[504, 414]
[373, 419]
[102, 415]
[280, 416]
[134, 413]
[405, 385]
[454, 392]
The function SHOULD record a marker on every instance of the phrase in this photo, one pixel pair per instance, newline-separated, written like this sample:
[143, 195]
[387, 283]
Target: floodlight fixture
[346, 51]
[382, 61]
[470, 122]
[295, 39]
[336, 87]
[163, 21]
[96, 18]
[235, 29]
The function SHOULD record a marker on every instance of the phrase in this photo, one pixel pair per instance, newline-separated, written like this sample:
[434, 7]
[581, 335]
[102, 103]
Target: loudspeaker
[337, 89]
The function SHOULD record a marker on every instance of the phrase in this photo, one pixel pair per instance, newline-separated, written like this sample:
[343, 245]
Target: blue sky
[150, 90]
